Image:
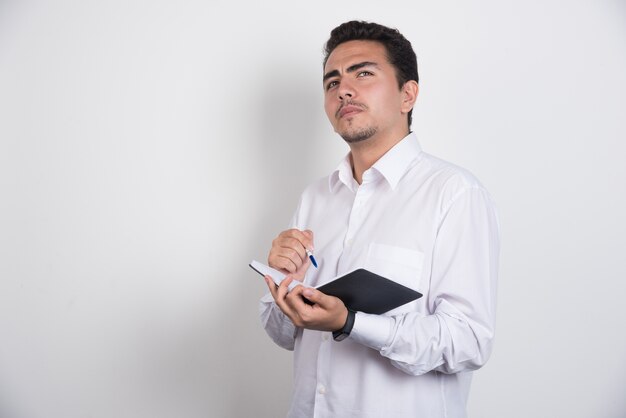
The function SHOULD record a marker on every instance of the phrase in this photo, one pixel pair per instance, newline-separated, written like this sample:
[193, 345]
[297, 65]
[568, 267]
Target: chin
[358, 135]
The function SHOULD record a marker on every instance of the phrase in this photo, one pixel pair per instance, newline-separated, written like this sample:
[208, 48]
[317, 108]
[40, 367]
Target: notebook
[360, 290]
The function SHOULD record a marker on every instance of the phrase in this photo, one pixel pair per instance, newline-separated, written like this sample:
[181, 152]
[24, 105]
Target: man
[403, 214]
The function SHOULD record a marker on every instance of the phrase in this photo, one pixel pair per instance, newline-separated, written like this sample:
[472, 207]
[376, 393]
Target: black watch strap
[343, 333]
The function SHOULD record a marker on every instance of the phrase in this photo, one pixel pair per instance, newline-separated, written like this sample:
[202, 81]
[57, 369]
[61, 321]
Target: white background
[150, 149]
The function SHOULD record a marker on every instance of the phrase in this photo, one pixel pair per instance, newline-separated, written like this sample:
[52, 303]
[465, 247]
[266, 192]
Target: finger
[280, 294]
[271, 285]
[295, 300]
[319, 298]
[292, 249]
[335, 312]
[286, 258]
[281, 263]
[313, 295]
[283, 289]
[300, 312]
[304, 238]
[309, 245]
[287, 253]
[295, 244]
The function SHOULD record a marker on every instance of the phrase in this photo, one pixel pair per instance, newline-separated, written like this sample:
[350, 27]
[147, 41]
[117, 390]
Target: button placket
[356, 214]
[323, 370]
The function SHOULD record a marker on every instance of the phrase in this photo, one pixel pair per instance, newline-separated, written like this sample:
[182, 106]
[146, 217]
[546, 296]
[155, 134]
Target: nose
[346, 90]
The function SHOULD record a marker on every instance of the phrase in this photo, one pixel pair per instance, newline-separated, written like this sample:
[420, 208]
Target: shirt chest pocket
[402, 265]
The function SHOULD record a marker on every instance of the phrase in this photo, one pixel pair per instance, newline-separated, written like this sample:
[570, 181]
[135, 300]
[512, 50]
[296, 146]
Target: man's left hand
[327, 313]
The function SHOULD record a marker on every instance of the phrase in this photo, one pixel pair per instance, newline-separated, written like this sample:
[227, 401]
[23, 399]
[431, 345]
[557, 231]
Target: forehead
[352, 52]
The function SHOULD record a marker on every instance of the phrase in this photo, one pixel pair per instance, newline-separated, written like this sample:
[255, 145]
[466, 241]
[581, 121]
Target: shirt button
[321, 390]
[325, 337]
[349, 242]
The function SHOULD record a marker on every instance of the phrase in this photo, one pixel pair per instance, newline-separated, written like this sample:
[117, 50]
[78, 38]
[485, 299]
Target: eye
[331, 84]
[364, 74]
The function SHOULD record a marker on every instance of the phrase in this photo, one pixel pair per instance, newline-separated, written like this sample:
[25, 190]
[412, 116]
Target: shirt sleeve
[277, 325]
[458, 333]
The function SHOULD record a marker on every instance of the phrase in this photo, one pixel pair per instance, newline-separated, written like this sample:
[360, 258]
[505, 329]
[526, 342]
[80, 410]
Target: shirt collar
[392, 166]
[343, 175]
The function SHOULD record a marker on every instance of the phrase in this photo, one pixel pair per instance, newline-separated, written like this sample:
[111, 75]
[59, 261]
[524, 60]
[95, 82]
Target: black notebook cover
[364, 291]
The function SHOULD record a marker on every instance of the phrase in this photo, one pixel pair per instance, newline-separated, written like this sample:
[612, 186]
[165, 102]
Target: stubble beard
[352, 137]
[352, 134]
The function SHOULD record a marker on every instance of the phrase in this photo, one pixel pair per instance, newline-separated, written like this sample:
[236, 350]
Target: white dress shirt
[428, 225]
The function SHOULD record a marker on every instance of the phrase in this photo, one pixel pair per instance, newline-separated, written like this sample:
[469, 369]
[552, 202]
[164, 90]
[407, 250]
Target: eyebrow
[350, 69]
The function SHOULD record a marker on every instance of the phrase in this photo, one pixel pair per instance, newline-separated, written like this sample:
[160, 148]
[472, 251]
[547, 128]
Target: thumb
[313, 295]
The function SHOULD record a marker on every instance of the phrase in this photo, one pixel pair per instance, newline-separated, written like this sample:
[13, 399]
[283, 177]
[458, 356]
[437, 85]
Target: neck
[364, 154]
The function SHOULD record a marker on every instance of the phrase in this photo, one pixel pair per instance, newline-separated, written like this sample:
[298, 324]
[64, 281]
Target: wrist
[340, 320]
[343, 333]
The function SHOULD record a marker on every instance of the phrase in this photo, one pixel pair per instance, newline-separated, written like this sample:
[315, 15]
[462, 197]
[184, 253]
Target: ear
[410, 91]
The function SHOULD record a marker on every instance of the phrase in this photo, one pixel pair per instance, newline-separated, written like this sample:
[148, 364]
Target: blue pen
[310, 254]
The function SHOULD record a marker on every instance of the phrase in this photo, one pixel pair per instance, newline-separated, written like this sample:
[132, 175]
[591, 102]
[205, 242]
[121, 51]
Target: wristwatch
[343, 333]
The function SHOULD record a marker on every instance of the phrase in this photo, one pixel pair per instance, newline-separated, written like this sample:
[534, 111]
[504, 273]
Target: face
[362, 97]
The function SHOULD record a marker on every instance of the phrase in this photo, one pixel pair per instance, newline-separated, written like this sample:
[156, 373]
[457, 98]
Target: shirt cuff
[267, 298]
[373, 331]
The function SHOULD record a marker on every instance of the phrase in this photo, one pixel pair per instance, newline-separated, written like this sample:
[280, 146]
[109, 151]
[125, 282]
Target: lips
[348, 110]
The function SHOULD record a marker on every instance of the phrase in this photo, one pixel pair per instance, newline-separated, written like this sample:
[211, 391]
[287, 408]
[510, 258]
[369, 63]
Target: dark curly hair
[399, 50]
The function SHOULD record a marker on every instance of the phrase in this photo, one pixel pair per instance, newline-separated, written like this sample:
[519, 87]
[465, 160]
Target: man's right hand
[288, 253]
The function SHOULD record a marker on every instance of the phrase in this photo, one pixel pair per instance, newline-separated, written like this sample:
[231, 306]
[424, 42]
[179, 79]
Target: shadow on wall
[286, 129]
[288, 133]
[230, 367]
